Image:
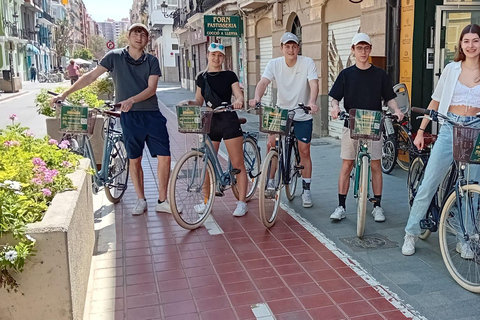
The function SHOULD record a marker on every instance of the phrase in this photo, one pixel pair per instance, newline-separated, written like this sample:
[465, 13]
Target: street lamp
[164, 8]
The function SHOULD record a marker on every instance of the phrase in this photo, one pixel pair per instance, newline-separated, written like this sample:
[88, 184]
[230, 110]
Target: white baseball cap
[361, 37]
[288, 37]
[216, 47]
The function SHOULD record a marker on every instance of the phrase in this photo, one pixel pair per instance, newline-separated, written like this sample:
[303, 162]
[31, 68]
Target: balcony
[45, 19]
[36, 5]
[207, 4]
[158, 20]
[252, 4]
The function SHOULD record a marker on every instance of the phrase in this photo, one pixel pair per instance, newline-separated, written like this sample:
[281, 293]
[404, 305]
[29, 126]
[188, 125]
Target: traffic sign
[110, 45]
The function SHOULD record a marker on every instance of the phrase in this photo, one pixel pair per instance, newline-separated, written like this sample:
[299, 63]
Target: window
[174, 46]
[297, 30]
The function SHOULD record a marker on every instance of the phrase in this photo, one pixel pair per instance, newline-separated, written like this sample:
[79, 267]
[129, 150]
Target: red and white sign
[110, 45]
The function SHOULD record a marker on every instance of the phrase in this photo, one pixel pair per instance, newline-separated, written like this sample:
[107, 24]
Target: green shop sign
[223, 26]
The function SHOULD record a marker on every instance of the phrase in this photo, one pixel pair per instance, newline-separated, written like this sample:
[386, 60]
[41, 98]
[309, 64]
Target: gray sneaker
[338, 214]
[163, 207]
[378, 215]
[465, 251]
[140, 207]
[307, 199]
[408, 247]
[241, 209]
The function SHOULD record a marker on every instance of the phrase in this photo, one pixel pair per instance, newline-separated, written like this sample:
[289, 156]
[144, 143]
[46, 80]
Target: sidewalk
[147, 267]
[28, 86]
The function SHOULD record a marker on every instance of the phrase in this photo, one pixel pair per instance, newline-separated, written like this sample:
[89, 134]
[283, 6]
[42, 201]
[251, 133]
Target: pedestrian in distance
[456, 96]
[33, 73]
[73, 71]
[135, 76]
[215, 86]
[361, 86]
[297, 82]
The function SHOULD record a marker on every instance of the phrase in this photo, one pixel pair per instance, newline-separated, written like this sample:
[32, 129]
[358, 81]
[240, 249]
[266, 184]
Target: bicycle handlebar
[301, 106]
[434, 115]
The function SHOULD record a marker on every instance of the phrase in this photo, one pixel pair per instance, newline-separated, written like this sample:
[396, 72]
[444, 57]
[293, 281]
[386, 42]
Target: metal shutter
[340, 36]
[266, 54]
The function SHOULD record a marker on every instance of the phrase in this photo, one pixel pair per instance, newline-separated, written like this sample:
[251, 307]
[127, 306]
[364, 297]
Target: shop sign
[223, 26]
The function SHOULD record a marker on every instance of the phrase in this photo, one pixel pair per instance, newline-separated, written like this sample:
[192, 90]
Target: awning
[32, 48]
[82, 61]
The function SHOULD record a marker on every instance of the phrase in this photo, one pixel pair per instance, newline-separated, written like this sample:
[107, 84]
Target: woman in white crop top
[457, 96]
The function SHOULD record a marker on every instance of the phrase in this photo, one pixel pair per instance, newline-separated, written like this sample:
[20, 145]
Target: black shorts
[225, 126]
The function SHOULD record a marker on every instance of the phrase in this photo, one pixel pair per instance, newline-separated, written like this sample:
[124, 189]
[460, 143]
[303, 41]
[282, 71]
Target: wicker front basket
[466, 145]
[275, 120]
[194, 119]
[365, 124]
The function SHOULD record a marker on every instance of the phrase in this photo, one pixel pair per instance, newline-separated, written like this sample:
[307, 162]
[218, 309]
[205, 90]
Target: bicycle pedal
[428, 224]
[373, 200]
[219, 193]
[299, 167]
[235, 171]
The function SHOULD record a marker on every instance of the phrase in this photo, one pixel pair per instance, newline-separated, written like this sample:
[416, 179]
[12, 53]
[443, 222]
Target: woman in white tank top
[457, 96]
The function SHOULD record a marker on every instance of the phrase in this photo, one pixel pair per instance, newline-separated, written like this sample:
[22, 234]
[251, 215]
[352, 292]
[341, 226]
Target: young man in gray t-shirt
[135, 75]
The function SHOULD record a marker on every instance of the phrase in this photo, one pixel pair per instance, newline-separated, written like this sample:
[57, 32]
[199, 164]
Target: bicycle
[459, 223]
[397, 143]
[365, 126]
[415, 178]
[191, 198]
[282, 163]
[113, 175]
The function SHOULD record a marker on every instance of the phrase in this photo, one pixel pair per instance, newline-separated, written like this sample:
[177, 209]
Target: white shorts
[349, 147]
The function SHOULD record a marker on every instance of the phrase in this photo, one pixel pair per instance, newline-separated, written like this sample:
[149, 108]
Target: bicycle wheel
[389, 155]
[253, 162]
[294, 173]
[464, 270]
[362, 197]
[117, 172]
[404, 145]
[191, 200]
[270, 188]
[414, 179]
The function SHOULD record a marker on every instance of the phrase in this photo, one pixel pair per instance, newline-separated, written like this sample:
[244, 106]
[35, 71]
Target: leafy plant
[83, 97]
[83, 53]
[32, 172]
[103, 85]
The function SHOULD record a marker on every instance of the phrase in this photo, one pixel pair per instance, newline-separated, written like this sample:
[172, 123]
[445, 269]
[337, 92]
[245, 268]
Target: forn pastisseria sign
[223, 26]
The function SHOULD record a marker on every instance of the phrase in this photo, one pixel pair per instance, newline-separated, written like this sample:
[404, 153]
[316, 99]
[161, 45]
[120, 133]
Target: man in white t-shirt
[297, 82]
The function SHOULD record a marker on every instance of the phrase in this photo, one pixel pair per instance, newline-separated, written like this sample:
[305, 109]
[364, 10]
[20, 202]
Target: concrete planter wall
[54, 281]
[53, 125]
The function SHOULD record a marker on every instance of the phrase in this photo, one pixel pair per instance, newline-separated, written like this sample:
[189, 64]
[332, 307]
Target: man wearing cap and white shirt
[297, 82]
[361, 86]
[135, 75]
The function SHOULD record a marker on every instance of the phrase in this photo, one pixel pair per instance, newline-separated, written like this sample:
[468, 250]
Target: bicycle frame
[284, 154]
[100, 177]
[362, 152]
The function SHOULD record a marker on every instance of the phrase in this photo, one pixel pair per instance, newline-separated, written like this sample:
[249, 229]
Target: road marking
[262, 311]
[167, 89]
[390, 296]
[212, 226]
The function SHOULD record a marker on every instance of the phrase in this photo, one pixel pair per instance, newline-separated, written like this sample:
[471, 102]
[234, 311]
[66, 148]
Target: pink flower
[66, 164]
[38, 162]
[28, 133]
[13, 117]
[64, 144]
[15, 143]
[53, 141]
[46, 192]
[7, 144]
[37, 181]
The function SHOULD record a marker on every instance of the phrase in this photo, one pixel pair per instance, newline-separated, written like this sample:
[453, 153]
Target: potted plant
[104, 88]
[45, 204]
[84, 97]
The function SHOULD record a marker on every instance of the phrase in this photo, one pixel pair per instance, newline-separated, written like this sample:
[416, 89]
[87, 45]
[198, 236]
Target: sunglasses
[216, 45]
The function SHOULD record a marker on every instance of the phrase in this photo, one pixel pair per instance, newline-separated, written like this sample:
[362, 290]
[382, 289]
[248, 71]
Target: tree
[122, 40]
[83, 53]
[98, 46]
[63, 39]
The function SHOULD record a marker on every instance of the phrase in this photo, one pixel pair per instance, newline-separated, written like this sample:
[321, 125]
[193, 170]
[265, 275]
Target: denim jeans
[440, 159]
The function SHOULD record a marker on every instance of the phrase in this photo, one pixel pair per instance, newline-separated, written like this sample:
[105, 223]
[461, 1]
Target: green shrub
[103, 86]
[32, 172]
[83, 97]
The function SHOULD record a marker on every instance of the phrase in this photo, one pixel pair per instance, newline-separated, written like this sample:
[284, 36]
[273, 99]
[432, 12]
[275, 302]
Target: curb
[12, 95]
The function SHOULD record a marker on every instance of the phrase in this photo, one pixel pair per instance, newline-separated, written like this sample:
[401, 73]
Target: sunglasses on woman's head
[215, 45]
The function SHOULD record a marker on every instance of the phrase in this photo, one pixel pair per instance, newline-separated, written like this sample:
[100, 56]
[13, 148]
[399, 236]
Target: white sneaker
[140, 207]
[270, 192]
[200, 208]
[338, 214]
[163, 207]
[464, 250]
[408, 247]
[306, 199]
[378, 215]
[241, 209]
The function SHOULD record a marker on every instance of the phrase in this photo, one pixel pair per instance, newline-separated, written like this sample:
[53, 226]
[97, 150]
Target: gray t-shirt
[131, 76]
